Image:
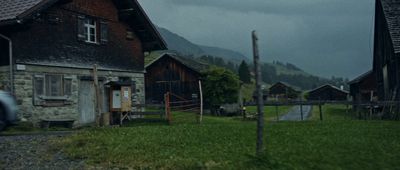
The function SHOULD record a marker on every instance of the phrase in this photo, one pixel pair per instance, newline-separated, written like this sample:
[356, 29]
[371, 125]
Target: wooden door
[86, 104]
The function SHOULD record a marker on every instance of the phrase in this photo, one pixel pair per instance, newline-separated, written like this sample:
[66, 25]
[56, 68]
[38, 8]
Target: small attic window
[130, 35]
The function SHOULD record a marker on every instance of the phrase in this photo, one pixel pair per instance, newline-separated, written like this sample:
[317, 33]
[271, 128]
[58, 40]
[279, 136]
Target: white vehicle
[8, 109]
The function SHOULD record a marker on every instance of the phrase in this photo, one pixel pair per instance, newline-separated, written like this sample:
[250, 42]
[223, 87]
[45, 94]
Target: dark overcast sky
[324, 37]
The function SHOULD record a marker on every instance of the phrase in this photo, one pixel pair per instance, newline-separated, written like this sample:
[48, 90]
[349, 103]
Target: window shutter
[67, 86]
[38, 83]
[103, 32]
[81, 28]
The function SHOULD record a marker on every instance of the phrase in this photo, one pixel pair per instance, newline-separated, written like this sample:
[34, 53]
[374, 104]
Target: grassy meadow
[269, 111]
[229, 143]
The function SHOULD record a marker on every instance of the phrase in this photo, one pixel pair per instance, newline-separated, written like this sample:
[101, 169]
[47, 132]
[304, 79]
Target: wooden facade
[387, 49]
[364, 88]
[171, 73]
[55, 35]
[327, 93]
[56, 44]
[282, 90]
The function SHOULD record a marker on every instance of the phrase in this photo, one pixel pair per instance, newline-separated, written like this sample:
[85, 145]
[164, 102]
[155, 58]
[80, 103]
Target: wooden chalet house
[327, 93]
[386, 62]
[283, 91]
[54, 45]
[169, 72]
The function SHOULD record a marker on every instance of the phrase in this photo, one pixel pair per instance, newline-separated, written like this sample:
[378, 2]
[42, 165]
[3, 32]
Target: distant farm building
[172, 73]
[327, 93]
[387, 49]
[282, 90]
[363, 88]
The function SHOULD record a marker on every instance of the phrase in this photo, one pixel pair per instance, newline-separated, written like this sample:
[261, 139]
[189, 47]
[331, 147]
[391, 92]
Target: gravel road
[32, 152]
[295, 114]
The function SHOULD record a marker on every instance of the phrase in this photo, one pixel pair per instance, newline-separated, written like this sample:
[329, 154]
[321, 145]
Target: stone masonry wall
[4, 78]
[24, 91]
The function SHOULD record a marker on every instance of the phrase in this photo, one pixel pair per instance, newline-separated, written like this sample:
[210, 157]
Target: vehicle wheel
[2, 119]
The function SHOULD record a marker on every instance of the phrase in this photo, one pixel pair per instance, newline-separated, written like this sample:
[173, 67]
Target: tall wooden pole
[98, 100]
[260, 102]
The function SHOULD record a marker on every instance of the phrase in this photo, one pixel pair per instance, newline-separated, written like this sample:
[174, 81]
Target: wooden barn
[283, 90]
[387, 49]
[327, 93]
[363, 88]
[169, 72]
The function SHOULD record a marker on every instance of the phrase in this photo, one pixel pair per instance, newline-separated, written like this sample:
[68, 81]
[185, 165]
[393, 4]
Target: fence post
[167, 107]
[301, 111]
[320, 112]
[201, 102]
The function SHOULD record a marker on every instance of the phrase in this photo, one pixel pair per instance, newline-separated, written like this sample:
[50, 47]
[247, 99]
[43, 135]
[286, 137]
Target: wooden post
[201, 102]
[260, 102]
[301, 111]
[320, 112]
[98, 100]
[370, 111]
[168, 107]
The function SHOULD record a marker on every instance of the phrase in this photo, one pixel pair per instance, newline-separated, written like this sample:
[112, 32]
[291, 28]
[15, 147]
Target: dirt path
[295, 114]
[32, 152]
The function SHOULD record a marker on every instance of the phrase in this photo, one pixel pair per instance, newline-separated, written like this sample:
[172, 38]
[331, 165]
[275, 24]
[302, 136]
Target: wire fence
[334, 110]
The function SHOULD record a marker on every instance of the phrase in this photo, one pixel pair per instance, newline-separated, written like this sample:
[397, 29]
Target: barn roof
[17, 11]
[391, 9]
[329, 86]
[361, 77]
[193, 64]
[287, 85]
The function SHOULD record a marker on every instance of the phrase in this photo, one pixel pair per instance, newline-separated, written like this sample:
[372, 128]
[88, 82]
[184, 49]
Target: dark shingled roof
[193, 64]
[295, 88]
[361, 77]
[391, 10]
[329, 86]
[16, 9]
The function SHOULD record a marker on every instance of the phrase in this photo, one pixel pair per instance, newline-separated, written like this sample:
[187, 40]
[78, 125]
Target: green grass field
[229, 143]
[270, 111]
[333, 113]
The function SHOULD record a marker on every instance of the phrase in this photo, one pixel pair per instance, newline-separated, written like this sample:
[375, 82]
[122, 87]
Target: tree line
[270, 74]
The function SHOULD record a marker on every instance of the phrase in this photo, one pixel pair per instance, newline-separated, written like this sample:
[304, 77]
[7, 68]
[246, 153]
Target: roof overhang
[130, 12]
[172, 56]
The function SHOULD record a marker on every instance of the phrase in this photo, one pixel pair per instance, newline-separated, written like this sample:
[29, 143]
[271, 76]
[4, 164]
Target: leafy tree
[244, 73]
[220, 86]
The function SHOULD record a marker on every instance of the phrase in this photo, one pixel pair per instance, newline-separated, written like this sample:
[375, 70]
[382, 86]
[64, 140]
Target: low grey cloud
[325, 37]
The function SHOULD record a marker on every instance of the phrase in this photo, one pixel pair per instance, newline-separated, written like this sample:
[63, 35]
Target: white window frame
[88, 27]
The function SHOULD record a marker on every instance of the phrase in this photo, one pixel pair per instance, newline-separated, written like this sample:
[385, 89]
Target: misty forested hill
[272, 72]
[183, 46]
[179, 44]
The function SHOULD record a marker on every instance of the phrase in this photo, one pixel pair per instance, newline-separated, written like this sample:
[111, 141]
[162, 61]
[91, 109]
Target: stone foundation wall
[24, 89]
[4, 78]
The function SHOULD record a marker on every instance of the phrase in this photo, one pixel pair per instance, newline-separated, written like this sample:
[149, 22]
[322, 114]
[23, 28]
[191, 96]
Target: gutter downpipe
[10, 52]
